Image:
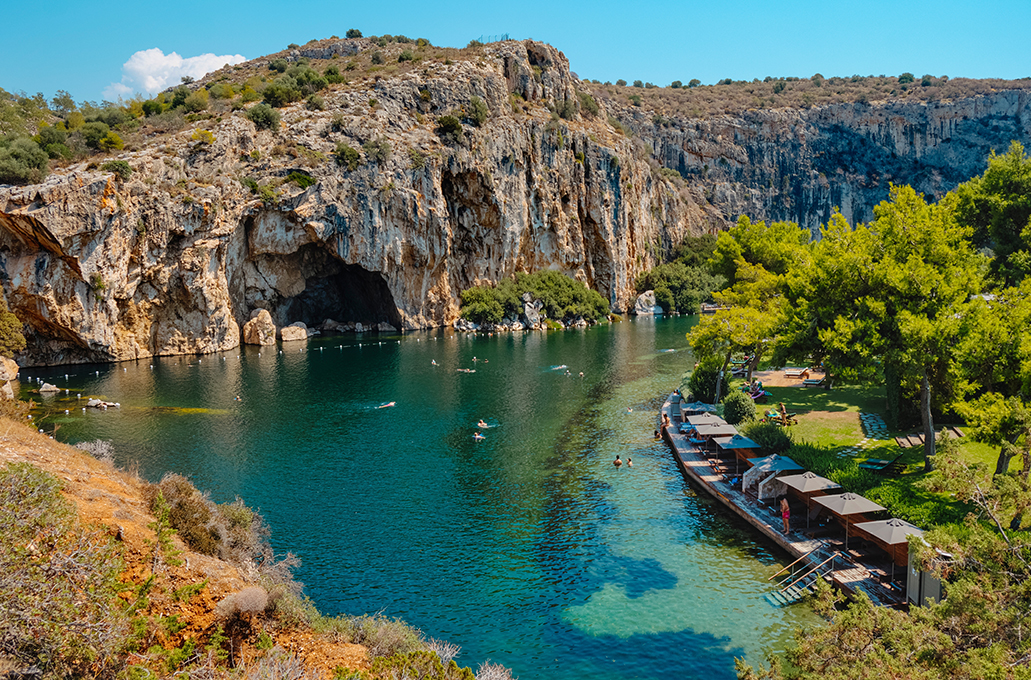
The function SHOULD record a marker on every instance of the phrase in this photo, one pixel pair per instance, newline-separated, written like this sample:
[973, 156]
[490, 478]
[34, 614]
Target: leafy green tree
[353, 33]
[197, 101]
[281, 91]
[719, 336]
[702, 383]
[694, 82]
[678, 287]
[998, 207]
[776, 246]
[480, 305]
[906, 78]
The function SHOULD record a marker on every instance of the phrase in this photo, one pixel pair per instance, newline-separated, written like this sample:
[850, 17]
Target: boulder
[532, 311]
[260, 330]
[8, 369]
[645, 304]
[358, 327]
[295, 331]
[385, 327]
[331, 325]
[6, 391]
[47, 387]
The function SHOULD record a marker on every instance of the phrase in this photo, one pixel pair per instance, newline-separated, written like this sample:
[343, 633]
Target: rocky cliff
[176, 257]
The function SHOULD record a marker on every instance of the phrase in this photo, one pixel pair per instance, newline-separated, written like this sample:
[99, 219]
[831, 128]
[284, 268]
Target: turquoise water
[528, 547]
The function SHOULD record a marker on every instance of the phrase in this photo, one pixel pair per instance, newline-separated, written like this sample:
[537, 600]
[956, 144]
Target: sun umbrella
[704, 419]
[847, 504]
[807, 485]
[696, 407]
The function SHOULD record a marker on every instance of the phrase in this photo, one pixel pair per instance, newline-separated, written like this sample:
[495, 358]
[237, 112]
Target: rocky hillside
[220, 219]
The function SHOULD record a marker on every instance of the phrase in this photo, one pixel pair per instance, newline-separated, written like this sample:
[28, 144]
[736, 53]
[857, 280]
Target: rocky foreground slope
[178, 256]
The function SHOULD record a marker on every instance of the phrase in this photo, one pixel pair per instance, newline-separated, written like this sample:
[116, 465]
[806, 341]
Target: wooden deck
[850, 575]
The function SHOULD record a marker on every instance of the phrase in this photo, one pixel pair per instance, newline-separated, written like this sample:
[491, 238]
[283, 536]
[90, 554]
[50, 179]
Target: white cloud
[152, 70]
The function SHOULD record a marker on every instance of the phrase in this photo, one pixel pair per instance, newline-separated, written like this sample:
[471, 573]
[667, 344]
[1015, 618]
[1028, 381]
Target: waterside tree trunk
[928, 422]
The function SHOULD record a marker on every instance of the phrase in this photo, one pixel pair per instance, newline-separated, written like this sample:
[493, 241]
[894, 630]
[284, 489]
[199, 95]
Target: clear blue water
[528, 548]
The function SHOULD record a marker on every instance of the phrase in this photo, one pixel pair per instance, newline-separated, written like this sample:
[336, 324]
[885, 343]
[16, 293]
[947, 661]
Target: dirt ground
[778, 379]
[114, 499]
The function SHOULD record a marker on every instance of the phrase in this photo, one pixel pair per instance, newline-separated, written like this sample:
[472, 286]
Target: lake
[528, 547]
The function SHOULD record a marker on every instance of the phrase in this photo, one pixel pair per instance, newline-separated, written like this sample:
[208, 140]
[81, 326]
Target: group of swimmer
[619, 463]
[483, 425]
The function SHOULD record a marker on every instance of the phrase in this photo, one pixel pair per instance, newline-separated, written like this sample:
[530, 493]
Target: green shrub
[353, 33]
[222, 91]
[738, 407]
[416, 159]
[11, 338]
[377, 150]
[120, 168]
[111, 142]
[301, 179]
[906, 78]
[702, 383]
[279, 65]
[561, 297]
[264, 117]
[22, 161]
[203, 136]
[93, 132]
[347, 156]
[587, 104]
[566, 109]
[281, 91]
[450, 131]
[694, 82]
[406, 55]
[676, 85]
[377, 57]
[315, 103]
[478, 111]
[332, 75]
[196, 102]
[771, 437]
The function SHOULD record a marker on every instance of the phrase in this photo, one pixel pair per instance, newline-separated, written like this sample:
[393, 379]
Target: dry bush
[58, 581]
[279, 665]
[99, 449]
[445, 650]
[252, 600]
[384, 636]
[493, 671]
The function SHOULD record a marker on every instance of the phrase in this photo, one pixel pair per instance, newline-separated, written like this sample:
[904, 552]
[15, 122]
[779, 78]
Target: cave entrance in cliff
[351, 294]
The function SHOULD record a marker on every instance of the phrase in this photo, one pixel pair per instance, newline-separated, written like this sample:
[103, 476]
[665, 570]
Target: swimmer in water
[478, 436]
[629, 410]
[433, 362]
[617, 462]
[629, 462]
[387, 405]
[482, 424]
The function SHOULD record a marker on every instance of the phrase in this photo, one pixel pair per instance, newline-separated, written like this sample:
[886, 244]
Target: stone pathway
[874, 431]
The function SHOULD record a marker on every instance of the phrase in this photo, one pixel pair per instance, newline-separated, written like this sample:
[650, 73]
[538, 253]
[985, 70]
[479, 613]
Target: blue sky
[82, 47]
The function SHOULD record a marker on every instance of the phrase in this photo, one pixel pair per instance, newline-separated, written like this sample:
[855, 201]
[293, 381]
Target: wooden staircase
[794, 587]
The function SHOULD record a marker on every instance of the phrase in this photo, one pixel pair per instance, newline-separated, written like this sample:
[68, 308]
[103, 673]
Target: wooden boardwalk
[849, 574]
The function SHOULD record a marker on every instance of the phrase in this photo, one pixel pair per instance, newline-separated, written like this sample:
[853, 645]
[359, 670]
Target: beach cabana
[891, 536]
[763, 468]
[847, 505]
[807, 486]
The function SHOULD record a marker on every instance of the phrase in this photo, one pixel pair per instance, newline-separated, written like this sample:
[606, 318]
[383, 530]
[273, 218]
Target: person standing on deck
[785, 513]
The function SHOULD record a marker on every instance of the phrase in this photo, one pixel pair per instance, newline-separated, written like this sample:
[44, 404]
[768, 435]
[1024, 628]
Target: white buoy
[66, 411]
[78, 396]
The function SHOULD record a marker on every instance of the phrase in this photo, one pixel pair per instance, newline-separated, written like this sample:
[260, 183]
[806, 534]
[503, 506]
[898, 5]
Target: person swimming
[617, 462]
[629, 462]
[387, 405]
[478, 436]
[433, 362]
[482, 423]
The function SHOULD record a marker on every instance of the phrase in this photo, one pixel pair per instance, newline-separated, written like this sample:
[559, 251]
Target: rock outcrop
[260, 330]
[293, 332]
[175, 258]
[8, 372]
[646, 305]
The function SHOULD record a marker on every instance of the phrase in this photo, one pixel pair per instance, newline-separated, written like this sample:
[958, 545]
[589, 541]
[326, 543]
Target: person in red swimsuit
[785, 513]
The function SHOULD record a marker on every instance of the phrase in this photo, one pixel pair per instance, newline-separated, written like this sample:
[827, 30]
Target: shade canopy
[704, 419]
[736, 441]
[696, 407]
[890, 531]
[846, 504]
[774, 463]
[890, 535]
[809, 482]
[716, 430]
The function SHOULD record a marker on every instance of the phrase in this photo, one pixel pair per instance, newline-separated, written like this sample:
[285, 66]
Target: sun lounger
[884, 467]
[796, 372]
[813, 382]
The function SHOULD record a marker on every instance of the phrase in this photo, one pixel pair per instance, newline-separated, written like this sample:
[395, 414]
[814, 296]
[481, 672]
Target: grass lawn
[829, 421]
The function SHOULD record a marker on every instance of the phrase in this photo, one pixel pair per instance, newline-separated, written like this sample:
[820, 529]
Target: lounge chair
[759, 396]
[796, 372]
[891, 468]
[813, 382]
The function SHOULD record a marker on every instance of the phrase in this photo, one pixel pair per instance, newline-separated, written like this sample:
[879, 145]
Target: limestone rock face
[260, 330]
[646, 305]
[174, 259]
[295, 331]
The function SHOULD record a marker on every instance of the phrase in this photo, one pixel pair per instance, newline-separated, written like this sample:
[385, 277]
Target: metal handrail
[803, 576]
[792, 564]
